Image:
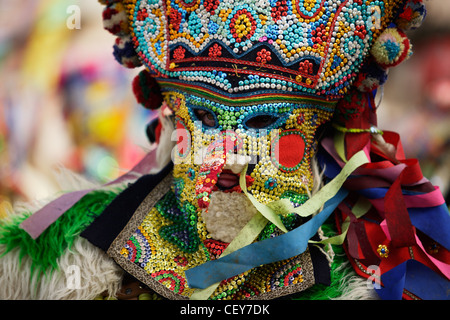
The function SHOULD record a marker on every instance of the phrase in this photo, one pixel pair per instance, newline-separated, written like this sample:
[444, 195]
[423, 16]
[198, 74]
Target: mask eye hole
[206, 117]
[261, 121]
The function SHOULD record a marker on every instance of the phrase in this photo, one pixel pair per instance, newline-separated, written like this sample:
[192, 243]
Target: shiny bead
[383, 251]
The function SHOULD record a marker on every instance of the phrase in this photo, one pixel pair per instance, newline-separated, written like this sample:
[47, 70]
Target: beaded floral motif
[311, 46]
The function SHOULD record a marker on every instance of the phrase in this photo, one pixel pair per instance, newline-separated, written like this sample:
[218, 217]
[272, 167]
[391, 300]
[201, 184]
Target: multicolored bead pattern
[164, 257]
[313, 47]
[167, 248]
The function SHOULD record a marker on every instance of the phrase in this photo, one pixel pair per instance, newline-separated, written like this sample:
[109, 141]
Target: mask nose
[220, 154]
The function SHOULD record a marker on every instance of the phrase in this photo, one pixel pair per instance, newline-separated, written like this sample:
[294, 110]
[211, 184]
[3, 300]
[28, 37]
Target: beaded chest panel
[313, 47]
[164, 239]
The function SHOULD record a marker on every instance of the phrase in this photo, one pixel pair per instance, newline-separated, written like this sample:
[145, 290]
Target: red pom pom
[147, 90]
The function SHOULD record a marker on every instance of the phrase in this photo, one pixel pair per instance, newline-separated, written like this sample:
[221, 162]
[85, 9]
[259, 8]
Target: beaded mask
[250, 83]
[254, 66]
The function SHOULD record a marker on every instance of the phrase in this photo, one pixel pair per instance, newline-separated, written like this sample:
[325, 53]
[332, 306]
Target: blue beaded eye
[207, 117]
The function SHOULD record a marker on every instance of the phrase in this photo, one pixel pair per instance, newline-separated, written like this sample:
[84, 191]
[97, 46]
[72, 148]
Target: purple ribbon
[46, 216]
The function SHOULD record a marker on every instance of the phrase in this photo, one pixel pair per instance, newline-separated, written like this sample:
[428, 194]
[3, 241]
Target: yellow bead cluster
[243, 25]
[309, 4]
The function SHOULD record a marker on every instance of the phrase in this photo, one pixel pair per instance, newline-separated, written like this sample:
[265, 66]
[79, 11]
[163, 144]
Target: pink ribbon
[431, 199]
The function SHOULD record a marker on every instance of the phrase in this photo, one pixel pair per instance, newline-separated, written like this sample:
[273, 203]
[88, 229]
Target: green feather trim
[335, 289]
[48, 247]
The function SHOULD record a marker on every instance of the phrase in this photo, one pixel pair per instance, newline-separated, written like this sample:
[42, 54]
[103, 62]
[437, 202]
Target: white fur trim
[84, 272]
[355, 287]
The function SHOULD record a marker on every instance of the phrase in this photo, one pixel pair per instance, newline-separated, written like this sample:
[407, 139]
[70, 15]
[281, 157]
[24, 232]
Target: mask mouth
[227, 180]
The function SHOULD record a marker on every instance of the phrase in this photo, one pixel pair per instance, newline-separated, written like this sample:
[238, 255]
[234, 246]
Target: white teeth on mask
[236, 163]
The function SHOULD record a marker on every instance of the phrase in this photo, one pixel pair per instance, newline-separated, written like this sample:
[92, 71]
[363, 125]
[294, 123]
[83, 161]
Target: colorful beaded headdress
[231, 72]
[312, 48]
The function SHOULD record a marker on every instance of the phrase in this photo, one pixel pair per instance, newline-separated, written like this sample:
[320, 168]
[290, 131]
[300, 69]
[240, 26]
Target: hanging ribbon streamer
[259, 253]
[396, 190]
[330, 189]
[434, 222]
[46, 216]
[336, 240]
[208, 275]
[414, 277]
[397, 216]
[427, 209]
[360, 208]
[442, 266]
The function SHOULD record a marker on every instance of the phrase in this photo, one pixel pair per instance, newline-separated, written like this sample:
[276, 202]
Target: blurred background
[64, 100]
[416, 97]
[66, 103]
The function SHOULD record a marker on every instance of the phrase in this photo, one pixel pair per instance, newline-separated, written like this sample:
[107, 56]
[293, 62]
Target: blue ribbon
[263, 252]
[416, 278]
[433, 221]
[379, 193]
[328, 164]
